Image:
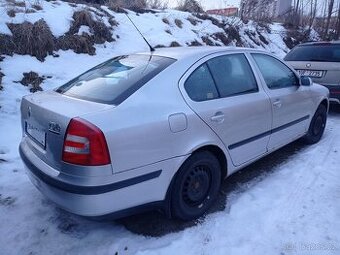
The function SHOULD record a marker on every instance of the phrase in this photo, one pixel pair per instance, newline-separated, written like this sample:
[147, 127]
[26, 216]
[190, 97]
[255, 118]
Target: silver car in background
[163, 129]
[319, 61]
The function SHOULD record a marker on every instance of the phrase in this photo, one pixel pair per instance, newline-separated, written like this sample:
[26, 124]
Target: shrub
[192, 6]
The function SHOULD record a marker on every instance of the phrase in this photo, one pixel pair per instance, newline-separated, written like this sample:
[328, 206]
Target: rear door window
[317, 53]
[233, 75]
[200, 85]
[115, 80]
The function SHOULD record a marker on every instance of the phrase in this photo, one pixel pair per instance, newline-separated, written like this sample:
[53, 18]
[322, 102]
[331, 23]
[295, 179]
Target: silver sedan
[163, 129]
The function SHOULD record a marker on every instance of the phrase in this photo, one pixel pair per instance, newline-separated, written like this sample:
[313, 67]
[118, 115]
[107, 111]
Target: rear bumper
[134, 188]
[334, 93]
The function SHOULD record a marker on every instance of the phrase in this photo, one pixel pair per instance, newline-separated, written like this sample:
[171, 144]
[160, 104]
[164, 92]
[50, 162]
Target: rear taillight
[85, 144]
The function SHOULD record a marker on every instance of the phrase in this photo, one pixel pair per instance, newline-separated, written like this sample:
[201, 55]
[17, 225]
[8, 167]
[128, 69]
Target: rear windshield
[116, 79]
[321, 53]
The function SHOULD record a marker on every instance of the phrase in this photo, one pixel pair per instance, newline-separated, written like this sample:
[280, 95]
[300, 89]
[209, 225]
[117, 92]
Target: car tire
[196, 186]
[317, 126]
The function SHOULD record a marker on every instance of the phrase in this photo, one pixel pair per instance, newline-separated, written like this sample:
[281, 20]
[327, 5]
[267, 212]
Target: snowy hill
[39, 41]
[287, 203]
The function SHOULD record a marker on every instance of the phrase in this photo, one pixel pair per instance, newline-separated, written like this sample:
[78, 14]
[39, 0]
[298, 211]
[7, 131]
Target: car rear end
[67, 154]
[321, 62]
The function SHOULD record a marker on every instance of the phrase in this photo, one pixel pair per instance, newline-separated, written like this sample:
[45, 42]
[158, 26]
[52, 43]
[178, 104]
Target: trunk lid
[45, 117]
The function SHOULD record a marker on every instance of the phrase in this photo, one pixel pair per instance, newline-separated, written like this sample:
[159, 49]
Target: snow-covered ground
[288, 203]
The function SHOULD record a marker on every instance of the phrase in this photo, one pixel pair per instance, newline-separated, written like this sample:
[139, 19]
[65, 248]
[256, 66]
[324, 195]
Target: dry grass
[37, 39]
[16, 3]
[166, 21]
[37, 6]
[30, 11]
[208, 41]
[32, 39]
[179, 23]
[174, 44]
[32, 79]
[120, 5]
[11, 13]
[195, 43]
[193, 21]
[101, 33]
[222, 37]
[78, 43]
[1, 75]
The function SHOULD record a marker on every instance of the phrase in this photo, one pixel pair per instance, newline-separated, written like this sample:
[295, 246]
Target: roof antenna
[152, 49]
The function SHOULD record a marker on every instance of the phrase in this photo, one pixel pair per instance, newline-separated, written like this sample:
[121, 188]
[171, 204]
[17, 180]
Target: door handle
[277, 103]
[218, 117]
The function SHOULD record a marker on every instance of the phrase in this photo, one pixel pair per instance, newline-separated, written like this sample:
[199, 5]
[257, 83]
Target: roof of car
[320, 43]
[201, 51]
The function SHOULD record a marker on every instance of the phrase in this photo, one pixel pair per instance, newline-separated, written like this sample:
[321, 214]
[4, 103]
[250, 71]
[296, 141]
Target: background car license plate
[35, 133]
[310, 73]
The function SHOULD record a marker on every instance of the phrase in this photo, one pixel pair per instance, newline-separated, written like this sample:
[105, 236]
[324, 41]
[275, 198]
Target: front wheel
[196, 186]
[317, 126]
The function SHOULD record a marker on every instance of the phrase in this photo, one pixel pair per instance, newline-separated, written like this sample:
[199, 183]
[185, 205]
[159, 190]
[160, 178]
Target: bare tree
[329, 16]
[313, 11]
[338, 23]
[190, 6]
[157, 4]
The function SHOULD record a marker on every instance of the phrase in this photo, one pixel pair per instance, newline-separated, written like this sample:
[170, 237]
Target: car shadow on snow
[334, 110]
[156, 224]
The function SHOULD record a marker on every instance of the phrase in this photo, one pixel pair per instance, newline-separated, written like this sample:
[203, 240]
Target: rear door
[291, 103]
[223, 91]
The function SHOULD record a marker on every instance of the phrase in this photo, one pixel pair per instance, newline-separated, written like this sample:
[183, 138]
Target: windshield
[116, 79]
[318, 53]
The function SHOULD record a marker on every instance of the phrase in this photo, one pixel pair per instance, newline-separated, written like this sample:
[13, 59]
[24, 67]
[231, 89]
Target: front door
[291, 103]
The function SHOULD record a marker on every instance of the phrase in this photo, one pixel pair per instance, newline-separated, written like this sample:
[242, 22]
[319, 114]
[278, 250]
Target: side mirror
[306, 81]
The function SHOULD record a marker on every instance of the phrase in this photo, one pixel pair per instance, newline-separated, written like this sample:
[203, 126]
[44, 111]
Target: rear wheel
[196, 186]
[317, 126]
